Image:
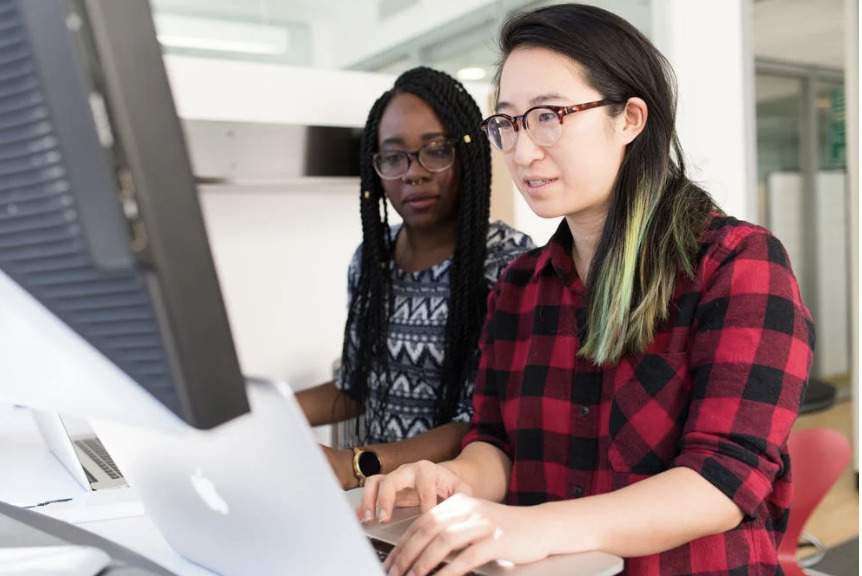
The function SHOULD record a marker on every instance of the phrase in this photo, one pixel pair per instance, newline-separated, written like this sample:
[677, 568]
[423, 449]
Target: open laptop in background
[74, 444]
[257, 496]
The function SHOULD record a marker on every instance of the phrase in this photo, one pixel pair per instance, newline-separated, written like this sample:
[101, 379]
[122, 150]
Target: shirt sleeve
[465, 403]
[486, 424]
[504, 245]
[751, 353]
[342, 378]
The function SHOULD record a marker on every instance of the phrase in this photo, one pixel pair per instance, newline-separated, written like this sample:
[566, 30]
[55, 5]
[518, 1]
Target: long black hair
[652, 231]
[371, 306]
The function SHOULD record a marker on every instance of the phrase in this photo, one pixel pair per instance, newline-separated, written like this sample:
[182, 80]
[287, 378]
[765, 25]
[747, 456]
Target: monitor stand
[21, 527]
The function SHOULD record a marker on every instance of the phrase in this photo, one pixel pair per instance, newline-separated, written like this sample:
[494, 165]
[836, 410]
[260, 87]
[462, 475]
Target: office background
[768, 117]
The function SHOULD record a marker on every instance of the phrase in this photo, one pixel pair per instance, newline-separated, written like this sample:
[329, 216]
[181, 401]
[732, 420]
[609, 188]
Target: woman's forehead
[408, 109]
[409, 122]
[531, 74]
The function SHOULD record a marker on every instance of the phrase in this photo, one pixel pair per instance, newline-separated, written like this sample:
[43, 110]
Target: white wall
[357, 44]
[282, 260]
[708, 43]
[207, 89]
[281, 249]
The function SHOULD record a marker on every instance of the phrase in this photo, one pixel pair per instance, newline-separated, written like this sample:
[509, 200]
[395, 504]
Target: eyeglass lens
[434, 157]
[542, 124]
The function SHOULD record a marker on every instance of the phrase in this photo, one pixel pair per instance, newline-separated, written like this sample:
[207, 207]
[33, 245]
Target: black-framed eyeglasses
[435, 156]
[543, 123]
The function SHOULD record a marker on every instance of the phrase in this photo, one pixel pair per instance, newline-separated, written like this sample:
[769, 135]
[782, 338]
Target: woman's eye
[437, 152]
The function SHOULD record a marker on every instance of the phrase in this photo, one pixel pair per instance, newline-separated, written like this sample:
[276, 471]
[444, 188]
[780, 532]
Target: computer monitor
[110, 306]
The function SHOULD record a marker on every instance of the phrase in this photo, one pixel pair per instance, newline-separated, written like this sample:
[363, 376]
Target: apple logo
[207, 491]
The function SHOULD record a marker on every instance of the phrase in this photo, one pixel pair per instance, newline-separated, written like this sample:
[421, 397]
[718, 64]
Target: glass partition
[802, 190]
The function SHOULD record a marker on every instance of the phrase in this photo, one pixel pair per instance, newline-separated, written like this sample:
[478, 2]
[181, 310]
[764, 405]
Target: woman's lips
[420, 201]
[537, 185]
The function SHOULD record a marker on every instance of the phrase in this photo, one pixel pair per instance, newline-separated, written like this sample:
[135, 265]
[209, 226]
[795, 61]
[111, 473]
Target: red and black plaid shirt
[716, 391]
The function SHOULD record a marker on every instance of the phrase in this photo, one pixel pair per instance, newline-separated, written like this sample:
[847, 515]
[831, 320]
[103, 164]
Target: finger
[388, 487]
[432, 547]
[426, 489]
[414, 539]
[410, 545]
[481, 552]
[406, 498]
[365, 509]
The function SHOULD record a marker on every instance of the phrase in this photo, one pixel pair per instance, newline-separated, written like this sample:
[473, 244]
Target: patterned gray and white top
[417, 340]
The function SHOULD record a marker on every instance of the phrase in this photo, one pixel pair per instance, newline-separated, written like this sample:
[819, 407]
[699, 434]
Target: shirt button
[585, 410]
[577, 491]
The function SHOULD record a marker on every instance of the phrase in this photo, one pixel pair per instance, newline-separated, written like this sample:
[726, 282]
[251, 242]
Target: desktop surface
[115, 514]
[22, 528]
[38, 480]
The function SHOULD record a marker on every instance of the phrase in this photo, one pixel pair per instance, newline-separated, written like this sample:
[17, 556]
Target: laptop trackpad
[391, 531]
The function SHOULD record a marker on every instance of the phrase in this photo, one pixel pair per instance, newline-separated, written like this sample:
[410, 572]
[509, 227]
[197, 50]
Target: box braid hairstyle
[371, 306]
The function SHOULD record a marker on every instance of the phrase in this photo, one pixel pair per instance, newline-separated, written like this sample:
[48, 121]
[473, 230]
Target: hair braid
[368, 315]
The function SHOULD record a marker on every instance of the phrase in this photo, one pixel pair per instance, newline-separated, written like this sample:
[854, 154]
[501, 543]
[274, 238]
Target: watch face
[369, 463]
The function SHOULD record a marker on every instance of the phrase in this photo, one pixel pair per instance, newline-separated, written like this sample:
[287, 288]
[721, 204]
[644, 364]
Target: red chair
[818, 456]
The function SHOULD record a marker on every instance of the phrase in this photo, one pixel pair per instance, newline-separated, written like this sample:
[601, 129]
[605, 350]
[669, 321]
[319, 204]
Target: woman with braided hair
[417, 290]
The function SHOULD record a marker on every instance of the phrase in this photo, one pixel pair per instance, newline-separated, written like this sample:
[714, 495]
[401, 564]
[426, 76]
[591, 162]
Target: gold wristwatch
[365, 463]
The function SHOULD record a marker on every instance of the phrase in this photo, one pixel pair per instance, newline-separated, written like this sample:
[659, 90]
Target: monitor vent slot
[41, 242]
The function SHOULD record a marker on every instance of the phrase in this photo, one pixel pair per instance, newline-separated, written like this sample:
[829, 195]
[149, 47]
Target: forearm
[435, 445]
[326, 404]
[648, 517]
[438, 444]
[485, 468]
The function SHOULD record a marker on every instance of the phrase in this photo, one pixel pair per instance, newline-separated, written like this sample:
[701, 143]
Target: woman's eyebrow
[398, 141]
[534, 101]
[433, 135]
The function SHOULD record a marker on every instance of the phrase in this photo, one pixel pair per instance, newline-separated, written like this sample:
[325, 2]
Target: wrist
[560, 535]
[345, 470]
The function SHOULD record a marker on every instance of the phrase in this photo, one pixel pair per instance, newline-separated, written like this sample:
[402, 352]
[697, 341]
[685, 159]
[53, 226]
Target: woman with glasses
[418, 289]
[639, 374]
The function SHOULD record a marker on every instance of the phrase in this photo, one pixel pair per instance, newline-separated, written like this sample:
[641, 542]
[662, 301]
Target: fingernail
[381, 514]
[394, 571]
[367, 516]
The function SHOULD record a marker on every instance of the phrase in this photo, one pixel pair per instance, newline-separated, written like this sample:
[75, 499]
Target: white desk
[31, 475]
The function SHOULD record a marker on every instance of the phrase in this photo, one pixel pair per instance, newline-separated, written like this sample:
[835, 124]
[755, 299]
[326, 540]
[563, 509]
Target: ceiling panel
[806, 32]
[800, 31]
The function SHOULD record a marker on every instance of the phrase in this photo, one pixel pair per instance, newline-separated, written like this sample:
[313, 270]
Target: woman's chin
[544, 209]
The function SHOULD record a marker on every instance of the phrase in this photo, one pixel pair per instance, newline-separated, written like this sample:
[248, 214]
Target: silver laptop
[257, 496]
[74, 444]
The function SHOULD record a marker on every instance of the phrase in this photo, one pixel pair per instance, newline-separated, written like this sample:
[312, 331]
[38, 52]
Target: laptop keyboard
[384, 548]
[96, 450]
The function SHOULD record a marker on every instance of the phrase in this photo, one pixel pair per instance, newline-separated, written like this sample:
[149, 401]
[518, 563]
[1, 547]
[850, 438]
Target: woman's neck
[586, 233]
[420, 249]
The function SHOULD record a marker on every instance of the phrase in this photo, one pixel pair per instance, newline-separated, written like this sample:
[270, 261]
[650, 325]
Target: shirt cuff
[476, 435]
[746, 486]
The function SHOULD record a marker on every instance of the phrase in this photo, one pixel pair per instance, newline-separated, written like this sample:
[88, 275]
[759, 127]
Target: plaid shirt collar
[556, 256]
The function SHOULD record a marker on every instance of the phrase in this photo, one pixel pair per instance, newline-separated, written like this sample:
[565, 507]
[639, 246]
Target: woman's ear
[634, 119]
